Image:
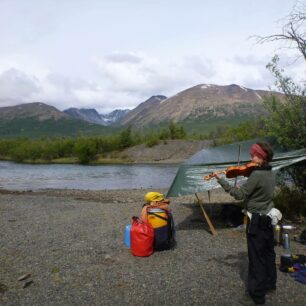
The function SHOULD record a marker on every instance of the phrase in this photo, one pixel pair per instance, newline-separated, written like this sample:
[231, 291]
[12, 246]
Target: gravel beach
[71, 243]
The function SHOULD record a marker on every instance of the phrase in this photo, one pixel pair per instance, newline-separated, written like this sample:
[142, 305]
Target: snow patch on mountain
[205, 86]
[114, 116]
[258, 95]
[245, 89]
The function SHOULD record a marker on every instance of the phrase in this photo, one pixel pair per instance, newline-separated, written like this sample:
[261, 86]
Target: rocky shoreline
[71, 244]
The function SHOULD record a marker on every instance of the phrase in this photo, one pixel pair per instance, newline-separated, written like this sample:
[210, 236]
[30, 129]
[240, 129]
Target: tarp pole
[238, 162]
[208, 194]
[211, 227]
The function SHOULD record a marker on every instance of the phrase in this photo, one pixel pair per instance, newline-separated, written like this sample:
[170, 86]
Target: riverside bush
[85, 149]
[153, 141]
[291, 197]
[291, 202]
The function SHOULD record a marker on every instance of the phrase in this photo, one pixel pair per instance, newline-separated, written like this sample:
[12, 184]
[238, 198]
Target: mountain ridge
[39, 110]
[143, 108]
[201, 107]
[202, 101]
[38, 119]
[86, 114]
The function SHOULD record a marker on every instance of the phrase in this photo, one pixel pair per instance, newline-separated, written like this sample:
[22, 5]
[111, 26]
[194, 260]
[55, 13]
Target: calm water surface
[34, 177]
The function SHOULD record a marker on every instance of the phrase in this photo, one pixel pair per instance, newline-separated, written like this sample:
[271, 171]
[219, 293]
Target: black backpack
[164, 237]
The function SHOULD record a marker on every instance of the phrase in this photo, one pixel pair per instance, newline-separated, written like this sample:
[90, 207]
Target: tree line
[86, 149]
[83, 149]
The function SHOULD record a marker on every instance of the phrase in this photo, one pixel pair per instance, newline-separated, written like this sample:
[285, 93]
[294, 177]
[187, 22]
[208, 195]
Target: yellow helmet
[154, 197]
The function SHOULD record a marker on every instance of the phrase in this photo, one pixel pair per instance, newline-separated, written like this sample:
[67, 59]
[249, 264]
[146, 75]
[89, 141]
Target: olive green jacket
[257, 192]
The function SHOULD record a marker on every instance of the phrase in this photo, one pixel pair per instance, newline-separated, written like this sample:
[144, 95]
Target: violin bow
[238, 162]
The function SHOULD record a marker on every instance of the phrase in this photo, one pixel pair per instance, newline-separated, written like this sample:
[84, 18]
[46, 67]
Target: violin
[234, 171]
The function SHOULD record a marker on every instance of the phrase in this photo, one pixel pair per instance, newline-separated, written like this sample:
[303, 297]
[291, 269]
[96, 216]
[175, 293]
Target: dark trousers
[262, 269]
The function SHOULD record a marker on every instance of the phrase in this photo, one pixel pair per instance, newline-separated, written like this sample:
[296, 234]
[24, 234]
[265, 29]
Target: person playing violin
[257, 195]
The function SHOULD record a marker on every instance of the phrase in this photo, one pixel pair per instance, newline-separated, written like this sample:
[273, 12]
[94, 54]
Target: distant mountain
[201, 102]
[41, 120]
[142, 110]
[38, 110]
[86, 114]
[114, 116]
[199, 109]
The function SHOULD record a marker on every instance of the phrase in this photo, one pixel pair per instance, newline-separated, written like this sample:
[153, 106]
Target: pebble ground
[72, 245]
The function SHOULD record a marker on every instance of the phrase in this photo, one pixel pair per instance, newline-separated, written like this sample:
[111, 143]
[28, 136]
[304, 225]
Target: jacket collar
[266, 167]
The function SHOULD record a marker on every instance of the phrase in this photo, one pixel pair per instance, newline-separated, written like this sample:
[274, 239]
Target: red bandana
[258, 151]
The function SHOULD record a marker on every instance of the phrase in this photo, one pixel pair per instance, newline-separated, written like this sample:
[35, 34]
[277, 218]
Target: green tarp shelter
[189, 177]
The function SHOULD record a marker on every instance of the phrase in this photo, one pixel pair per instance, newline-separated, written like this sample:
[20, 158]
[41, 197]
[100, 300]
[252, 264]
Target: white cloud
[128, 72]
[144, 76]
[62, 53]
[246, 71]
[17, 87]
[123, 80]
[120, 57]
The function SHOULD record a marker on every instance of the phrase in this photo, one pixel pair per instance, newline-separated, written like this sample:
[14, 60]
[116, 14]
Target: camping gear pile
[293, 264]
[154, 229]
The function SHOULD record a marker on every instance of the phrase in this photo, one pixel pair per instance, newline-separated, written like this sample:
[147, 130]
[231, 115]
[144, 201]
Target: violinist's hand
[216, 175]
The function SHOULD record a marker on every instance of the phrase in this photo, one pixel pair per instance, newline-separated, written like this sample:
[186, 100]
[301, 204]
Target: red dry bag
[142, 237]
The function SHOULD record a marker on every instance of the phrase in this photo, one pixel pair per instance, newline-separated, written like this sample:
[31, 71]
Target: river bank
[71, 242]
[165, 152]
[85, 177]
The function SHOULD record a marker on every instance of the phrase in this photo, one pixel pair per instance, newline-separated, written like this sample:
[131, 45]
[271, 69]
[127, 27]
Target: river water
[15, 176]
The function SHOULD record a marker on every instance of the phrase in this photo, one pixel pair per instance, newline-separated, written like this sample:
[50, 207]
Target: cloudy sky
[109, 54]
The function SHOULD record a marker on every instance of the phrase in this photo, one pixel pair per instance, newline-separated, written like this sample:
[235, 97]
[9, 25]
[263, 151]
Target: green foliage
[48, 149]
[287, 120]
[20, 152]
[33, 128]
[291, 198]
[85, 150]
[176, 131]
[205, 127]
[245, 130]
[172, 131]
[152, 141]
[125, 138]
[164, 134]
[291, 202]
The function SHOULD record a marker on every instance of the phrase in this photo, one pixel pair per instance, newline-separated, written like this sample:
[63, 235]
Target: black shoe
[246, 301]
[259, 300]
[251, 300]
[271, 289]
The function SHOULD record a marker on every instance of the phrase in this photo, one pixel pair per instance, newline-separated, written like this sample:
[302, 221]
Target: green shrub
[85, 150]
[291, 202]
[291, 198]
[176, 132]
[244, 131]
[125, 138]
[151, 142]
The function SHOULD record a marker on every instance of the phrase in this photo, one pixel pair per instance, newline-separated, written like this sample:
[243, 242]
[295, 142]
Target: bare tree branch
[293, 32]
